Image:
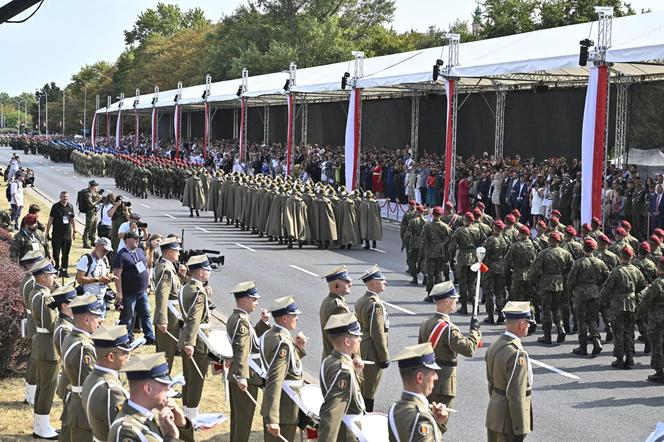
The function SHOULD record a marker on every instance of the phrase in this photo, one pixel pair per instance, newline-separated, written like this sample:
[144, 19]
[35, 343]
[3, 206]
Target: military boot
[424, 280]
[629, 361]
[618, 363]
[366, 244]
[373, 244]
[414, 280]
[581, 350]
[501, 318]
[561, 336]
[597, 347]
[657, 377]
[464, 309]
[489, 319]
[546, 339]
[609, 336]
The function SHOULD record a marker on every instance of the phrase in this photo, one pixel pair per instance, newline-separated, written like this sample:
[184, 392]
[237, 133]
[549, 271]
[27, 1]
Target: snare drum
[371, 427]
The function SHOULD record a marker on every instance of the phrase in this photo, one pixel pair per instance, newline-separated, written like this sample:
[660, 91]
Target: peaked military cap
[284, 306]
[199, 262]
[42, 266]
[372, 272]
[112, 336]
[170, 243]
[31, 257]
[344, 323]
[517, 310]
[420, 355]
[340, 272]
[148, 366]
[62, 294]
[443, 290]
[245, 289]
[87, 303]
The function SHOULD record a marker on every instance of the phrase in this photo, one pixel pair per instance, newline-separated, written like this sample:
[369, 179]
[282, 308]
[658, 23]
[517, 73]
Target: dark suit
[519, 199]
[657, 210]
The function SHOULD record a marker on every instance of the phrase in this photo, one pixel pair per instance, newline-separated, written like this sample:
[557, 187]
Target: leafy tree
[507, 17]
[165, 20]
[554, 13]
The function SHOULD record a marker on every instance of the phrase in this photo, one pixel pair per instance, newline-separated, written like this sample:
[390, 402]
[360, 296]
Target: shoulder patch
[424, 429]
[520, 362]
[283, 352]
[243, 329]
[87, 359]
[378, 310]
[342, 384]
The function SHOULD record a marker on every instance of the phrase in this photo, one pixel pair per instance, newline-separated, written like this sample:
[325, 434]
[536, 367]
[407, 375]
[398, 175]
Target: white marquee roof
[549, 55]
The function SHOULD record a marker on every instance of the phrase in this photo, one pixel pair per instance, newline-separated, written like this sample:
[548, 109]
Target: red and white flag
[242, 123]
[94, 130]
[176, 130]
[118, 129]
[153, 128]
[136, 125]
[289, 135]
[593, 139]
[353, 137]
[206, 130]
[449, 139]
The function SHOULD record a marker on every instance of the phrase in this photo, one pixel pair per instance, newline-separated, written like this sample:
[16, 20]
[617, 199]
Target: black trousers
[61, 242]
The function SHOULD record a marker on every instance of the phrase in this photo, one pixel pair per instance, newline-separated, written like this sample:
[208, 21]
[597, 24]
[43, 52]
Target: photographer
[105, 225]
[93, 271]
[119, 214]
[92, 199]
[133, 225]
[61, 218]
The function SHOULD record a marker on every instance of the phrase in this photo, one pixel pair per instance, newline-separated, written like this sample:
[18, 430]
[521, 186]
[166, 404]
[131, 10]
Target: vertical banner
[206, 130]
[242, 111]
[289, 135]
[118, 129]
[450, 86]
[176, 130]
[593, 139]
[153, 129]
[136, 126]
[108, 130]
[94, 130]
[353, 130]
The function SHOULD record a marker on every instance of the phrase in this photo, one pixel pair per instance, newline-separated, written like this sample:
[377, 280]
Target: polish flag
[353, 137]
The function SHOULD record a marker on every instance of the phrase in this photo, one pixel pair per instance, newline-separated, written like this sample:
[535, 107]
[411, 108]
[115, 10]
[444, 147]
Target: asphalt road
[575, 399]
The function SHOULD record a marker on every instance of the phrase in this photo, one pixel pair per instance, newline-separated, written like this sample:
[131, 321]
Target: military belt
[43, 331]
[28, 311]
[76, 389]
[446, 363]
[503, 393]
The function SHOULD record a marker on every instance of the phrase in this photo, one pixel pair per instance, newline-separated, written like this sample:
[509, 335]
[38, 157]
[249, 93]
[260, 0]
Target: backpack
[79, 287]
[8, 192]
[81, 202]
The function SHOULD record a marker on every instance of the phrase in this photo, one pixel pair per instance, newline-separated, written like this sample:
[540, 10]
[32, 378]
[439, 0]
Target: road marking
[554, 369]
[243, 246]
[170, 216]
[379, 250]
[202, 229]
[304, 271]
[145, 205]
[83, 180]
[398, 308]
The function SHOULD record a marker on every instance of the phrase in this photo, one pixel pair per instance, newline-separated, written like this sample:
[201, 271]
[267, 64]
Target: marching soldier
[339, 283]
[611, 260]
[375, 324]
[196, 320]
[168, 276]
[483, 229]
[434, 240]
[511, 232]
[509, 416]
[494, 282]
[46, 358]
[148, 383]
[244, 380]
[27, 284]
[464, 241]
[447, 341]
[451, 218]
[586, 277]
[413, 240]
[78, 359]
[619, 293]
[518, 259]
[652, 306]
[281, 355]
[405, 220]
[413, 418]
[339, 378]
[547, 274]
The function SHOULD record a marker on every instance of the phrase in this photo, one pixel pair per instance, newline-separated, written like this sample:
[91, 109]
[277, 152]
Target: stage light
[583, 51]
[204, 96]
[239, 91]
[287, 86]
[344, 80]
[436, 69]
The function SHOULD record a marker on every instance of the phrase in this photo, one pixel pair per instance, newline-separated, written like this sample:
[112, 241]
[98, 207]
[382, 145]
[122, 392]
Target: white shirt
[108, 370]
[124, 228]
[16, 191]
[144, 411]
[105, 219]
[421, 397]
[98, 268]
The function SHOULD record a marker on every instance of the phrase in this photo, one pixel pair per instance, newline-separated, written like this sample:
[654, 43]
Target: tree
[165, 20]
[554, 13]
[507, 17]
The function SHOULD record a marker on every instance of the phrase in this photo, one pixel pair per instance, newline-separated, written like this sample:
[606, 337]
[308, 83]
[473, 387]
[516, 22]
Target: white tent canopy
[549, 55]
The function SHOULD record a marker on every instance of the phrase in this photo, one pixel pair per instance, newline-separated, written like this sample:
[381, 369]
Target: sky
[67, 34]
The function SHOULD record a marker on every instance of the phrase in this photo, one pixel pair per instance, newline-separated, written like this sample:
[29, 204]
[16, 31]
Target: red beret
[659, 232]
[449, 204]
[660, 261]
[419, 208]
[469, 216]
[620, 231]
[626, 225]
[412, 203]
[554, 219]
[655, 239]
[587, 227]
[645, 246]
[437, 210]
[481, 205]
[477, 211]
[525, 230]
[570, 230]
[516, 213]
[509, 219]
[542, 224]
[30, 219]
[499, 224]
[595, 221]
[556, 212]
[555, 236]
[605, 239]
[590, 243]
[628, 251]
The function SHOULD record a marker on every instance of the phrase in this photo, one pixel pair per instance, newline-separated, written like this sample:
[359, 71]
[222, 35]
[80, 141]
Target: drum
[218, 344]
[308, 397]
[371, 427]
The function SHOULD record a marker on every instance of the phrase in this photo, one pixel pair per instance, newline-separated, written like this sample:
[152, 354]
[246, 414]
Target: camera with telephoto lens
[215, 261]
[142, 225]
[124, 203]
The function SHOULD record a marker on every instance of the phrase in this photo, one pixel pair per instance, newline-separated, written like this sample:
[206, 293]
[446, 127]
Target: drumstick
[251, 397]
[171, 336]
[368, 362]
[282, 438]
[196, 367]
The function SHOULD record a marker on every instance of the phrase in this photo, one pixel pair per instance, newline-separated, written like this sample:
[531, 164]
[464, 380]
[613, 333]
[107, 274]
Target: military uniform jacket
[410, 420]
[621, 289]
[484, 230]
[78, 360]
[331, 305]
[167, 288]
[549, 267]
[132, 425]
[652, 303]
[647, 267]
[25, 241]
[586, 277]
[496, 249]
[244, 339]
[405, 220]
[453, 220]
[281, 359]
[435, 237]
[574, 248]
[413, 235]
[195, 314]
[342, 396]
[44, 319]
[511, 234]
[464, 240]
[609, 258]
[520, 255]
[103, 396]
[375, 324]
[447, 341]
[27, 284]
[510, 377]
[63, 326]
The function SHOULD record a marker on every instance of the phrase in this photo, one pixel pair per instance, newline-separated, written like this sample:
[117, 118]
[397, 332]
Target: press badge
[140, 267]
[65, 220]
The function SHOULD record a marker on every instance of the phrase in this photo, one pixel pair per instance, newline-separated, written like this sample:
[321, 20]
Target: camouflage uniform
[465, 241]
[434, 238]
[412, 238]
[652, 306]
[494, 281]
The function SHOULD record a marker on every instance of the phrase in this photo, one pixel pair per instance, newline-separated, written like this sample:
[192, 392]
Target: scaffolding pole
[499, 140]
[305, 120]
[415, 125]
[622, 97]
[266, 125]
[236, 128]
